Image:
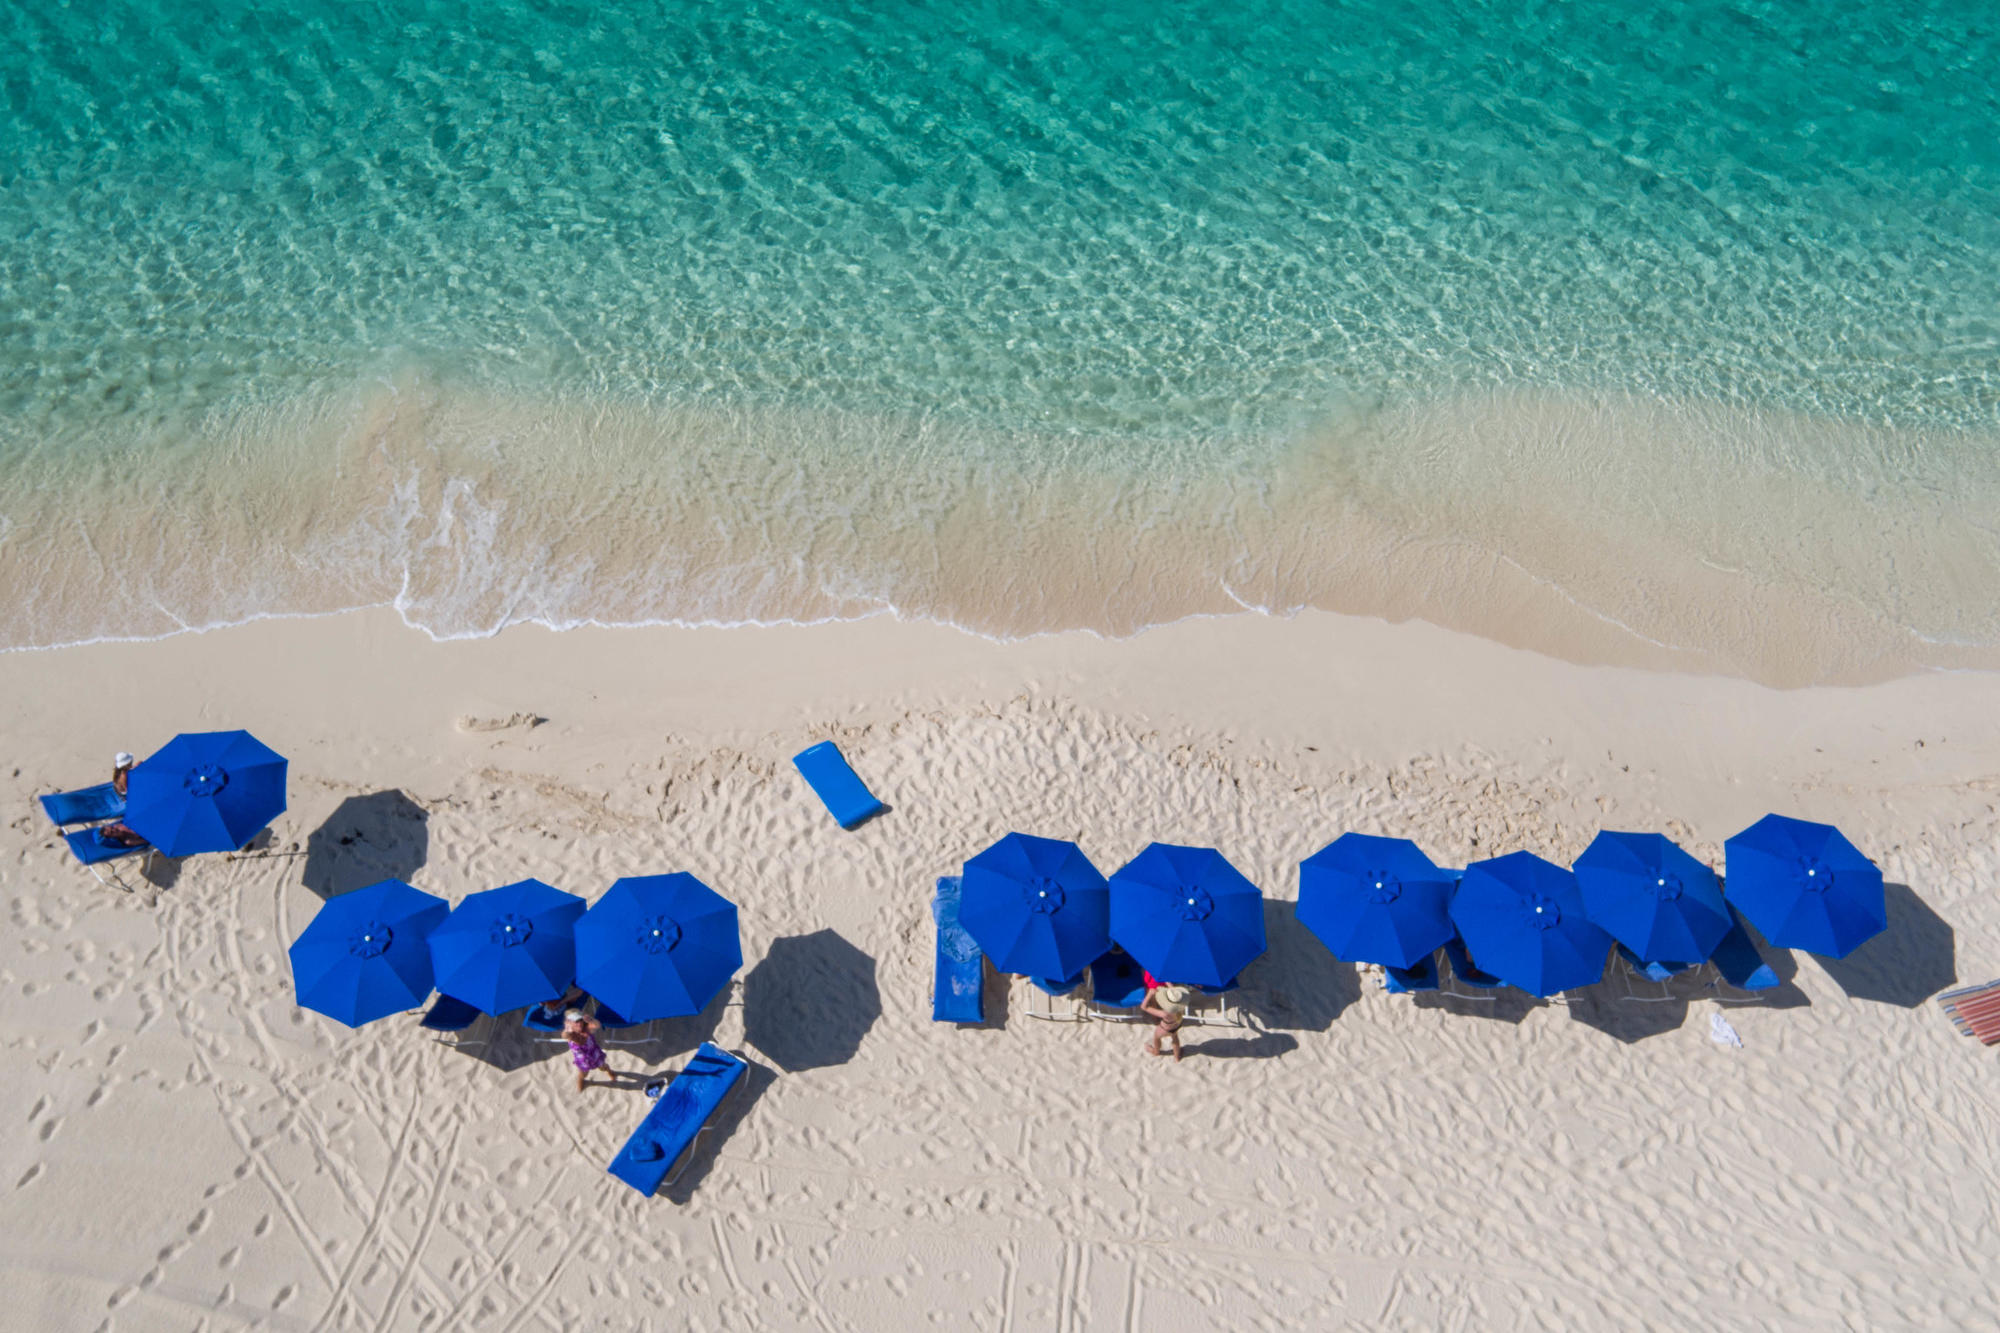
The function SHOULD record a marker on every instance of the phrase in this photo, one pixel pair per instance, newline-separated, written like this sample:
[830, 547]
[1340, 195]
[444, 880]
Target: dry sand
[191, 1151]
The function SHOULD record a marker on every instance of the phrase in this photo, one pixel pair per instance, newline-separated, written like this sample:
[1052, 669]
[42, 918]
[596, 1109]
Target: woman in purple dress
[580, 1031]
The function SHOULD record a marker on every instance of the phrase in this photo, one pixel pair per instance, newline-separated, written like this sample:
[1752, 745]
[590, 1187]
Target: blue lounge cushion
[1462, 968]
[1117, 981]
[1406, 980]
[449, 1014]
[611, 1018]
[959, 982]
[1737, 961]
[846, 797]
[1057, 986]
[670, 1127]
[86, 805]
[1650, 971]
[88, 848]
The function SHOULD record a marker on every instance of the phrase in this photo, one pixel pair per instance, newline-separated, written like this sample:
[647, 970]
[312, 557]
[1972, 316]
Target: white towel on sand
[1721, 1033]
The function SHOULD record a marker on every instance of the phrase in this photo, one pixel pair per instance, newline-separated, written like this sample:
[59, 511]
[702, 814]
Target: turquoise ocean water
[1678, 321]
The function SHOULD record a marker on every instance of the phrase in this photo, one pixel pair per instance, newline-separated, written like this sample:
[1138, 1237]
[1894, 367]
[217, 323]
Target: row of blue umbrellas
[1545, 929]
[1038, 906]
[653, 946]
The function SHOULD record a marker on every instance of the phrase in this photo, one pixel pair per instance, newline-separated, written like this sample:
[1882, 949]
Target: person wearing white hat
[1169, 1005]
[121, 769]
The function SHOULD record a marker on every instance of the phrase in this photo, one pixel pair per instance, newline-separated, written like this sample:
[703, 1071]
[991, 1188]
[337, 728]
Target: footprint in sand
[524, 721]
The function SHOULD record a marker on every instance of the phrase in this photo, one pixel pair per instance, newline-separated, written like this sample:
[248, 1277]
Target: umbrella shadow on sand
[1914, 959]
[1296, 985]
[810, 1000]
[1503, 1004]
[383, 835]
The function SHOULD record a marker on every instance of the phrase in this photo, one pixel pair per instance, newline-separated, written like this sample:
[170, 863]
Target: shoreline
[1600, 529]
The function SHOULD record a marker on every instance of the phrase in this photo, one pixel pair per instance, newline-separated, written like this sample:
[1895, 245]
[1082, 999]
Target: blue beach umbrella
[508, 947]
[1805, 886]
[655, 946]
[1036, 906]
[1655, 899]
[205, 791]
[1187, 915]
[1523, 920]
[1376, 900]
[366, 954]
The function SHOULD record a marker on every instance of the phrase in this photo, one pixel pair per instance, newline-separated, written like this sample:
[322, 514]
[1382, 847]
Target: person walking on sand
[580, 1031]
[1169, 1005]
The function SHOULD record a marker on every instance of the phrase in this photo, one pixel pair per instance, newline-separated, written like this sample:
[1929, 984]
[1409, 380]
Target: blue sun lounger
[1650, 971]
[539, 1018]
[1463, 970]
[92, 851]
[614, 1021]
[87, 805]
[451, 1017]
[668, 1132]
[1737, 961]
[958, 993]
[1410, 980]
[845, 796]
[1118, 986]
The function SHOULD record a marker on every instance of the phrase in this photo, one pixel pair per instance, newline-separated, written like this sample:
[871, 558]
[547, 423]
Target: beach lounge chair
[1052, 989]
[654, 1155]
[539, 1018]
[845, 796]
[615, 1022]
[91, 851]
[1737, 961]
[86, 805]
[1650, 971]
[1409, 980]
[449, 1019]
[958, 987]
[1223, 1015]
[1463, 970]
[1117, 988]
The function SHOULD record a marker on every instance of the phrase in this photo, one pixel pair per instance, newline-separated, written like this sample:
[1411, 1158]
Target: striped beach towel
[1975, 1010]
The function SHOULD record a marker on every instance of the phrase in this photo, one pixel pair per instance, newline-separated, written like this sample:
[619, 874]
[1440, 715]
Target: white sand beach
[190, 1150]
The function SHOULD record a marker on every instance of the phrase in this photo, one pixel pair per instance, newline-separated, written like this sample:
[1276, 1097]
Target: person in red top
[1169, 1005]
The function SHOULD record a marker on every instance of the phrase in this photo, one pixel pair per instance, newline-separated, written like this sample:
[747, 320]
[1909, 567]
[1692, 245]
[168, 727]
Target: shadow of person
[810, 1000]
[1297, 984]
[1263, 1046]
[1912, 960]
[383, 835]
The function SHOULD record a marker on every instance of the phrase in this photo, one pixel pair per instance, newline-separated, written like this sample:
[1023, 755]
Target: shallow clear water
[630, 312]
